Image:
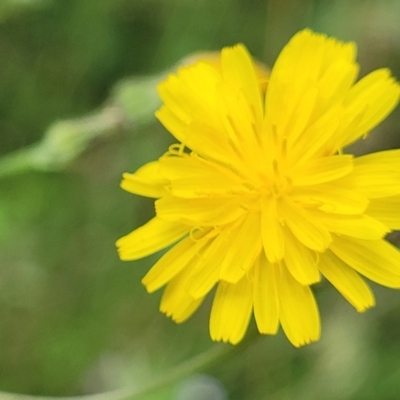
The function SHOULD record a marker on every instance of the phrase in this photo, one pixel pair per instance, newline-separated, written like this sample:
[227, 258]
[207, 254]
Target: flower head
[257, 197]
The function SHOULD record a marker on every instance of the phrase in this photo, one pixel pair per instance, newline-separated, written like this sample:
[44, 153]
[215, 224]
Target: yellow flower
[258, 199]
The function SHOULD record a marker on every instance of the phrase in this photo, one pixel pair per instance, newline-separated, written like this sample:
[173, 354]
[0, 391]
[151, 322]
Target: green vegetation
[77, 96]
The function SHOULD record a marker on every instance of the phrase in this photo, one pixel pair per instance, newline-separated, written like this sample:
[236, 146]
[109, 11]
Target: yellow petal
[378, 174]
[346, 281]
[304, 227]
[242, 247]
[300, 261]
[207, 185]
[171, 91]
[271, 230]
[386, 210]
[190, 94]
[146, 181]
[311, 143]
[192, 176]
[374, 180]
[192, 167]
[183, 166]
[151, 237]
[337, 79]
[301, 115]
[308, 60]
[375, 259]
[298, 311]
[213, 144]
[265, 292]
[170, 264]
[373, 97]
[238, 70]
[387, 157]
[172, 123]
[206, 269]
[239, 122]
[331, 198]
[203, 212]
[322, 170]
[359, 226]
[231, 311]
[176, 302]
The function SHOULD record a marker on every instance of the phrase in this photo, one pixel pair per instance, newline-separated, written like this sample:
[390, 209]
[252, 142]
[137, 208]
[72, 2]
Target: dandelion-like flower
[258, 198]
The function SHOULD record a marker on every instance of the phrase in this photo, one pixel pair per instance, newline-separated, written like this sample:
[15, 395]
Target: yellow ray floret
[257, 198]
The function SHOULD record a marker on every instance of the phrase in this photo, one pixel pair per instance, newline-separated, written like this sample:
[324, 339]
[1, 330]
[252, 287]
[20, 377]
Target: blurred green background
[73, 318]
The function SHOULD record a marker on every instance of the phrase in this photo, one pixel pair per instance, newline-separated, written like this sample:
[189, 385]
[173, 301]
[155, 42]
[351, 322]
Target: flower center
[281, 183]
[276, 182]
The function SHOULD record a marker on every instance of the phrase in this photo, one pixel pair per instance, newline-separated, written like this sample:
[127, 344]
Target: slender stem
[198, 363]
[63, 142]
[17, 162]
[131, 105]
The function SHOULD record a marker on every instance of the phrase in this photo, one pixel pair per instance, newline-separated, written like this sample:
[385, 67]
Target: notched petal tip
[225, 340]
[176, 303]
[231, 311]
[304, 342]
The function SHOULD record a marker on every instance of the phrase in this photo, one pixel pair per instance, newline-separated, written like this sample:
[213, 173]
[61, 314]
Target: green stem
[131, 105]
[198, 363]
[17, 162]
[64, 142]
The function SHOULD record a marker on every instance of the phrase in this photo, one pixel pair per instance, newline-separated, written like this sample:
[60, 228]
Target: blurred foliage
[74, 319]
